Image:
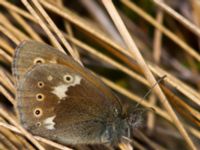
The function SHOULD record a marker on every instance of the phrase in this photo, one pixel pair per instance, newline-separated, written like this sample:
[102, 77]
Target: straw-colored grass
[113, 43]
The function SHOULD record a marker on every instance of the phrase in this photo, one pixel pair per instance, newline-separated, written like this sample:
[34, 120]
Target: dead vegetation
[129, 45]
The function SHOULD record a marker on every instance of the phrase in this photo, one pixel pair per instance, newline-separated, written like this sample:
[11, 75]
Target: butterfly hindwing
[64, 104]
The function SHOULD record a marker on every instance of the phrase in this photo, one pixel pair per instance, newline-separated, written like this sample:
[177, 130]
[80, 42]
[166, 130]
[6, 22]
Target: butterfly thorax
[115, 131]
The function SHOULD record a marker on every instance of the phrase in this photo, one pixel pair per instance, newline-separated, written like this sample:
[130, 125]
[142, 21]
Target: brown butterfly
[59, 99]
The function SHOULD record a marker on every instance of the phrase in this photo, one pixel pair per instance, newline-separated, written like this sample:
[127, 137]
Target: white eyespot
[40, 84]
[40, 97]
[38, 112]
[49, 78]
[38, 124]
[38, 60]
[68, 78]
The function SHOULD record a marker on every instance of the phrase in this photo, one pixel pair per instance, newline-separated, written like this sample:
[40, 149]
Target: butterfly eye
[68, 78]
[39, 97]
[38, 124]
[40, 84]
[38, 60]
[37, 112]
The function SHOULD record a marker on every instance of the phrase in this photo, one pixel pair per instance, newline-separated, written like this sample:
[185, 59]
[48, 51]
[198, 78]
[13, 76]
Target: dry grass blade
[14, 129]
[4, 114]
[178, 17]
[43, 25]
[26, 26]
[7, 95]
[117, 65]
[135, 53]
[165, 31]
[57, 31]
[157, 49]
[9, 34]
[93, 37]
[186, 90]
[5, 55]
[159, 111]
[18, 33]
[79, 22]
[158, 38]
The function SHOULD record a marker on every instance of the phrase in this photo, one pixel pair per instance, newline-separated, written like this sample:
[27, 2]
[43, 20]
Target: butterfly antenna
[150, 90]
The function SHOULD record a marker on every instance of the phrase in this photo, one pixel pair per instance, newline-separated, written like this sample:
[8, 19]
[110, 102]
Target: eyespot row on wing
[61, 89]
[37, 112]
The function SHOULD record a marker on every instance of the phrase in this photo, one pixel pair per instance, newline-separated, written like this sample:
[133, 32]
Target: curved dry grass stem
[114, 63]
[144, 103]
[7, 95]
[9, 34]
[69, 30]
[42, 24]
[70, 16]
[178, 17]
[10, 7]
[51, 143]
[6, 81]
[13, 138]
[5, 55]
[26, 27]
[124, 69]
[57, 31]
[157, 42]
[182, 105]
[151, 118]
[165, 31]
[78, 21]
[6, 46]
[186, 90]
[157, 48]
[102, 18]
[136, 54]
[109, 60]
[17, 32]
[4, 114]
[150, 142]
[30, 24]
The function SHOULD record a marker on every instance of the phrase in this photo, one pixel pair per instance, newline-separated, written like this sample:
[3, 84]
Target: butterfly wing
[29, 53]
[58, 103]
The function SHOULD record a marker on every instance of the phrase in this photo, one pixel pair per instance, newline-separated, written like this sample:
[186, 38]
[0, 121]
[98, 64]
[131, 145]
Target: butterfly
[61, 100]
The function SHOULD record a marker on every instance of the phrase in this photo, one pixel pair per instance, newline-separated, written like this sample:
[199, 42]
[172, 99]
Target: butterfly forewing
[30, 53]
